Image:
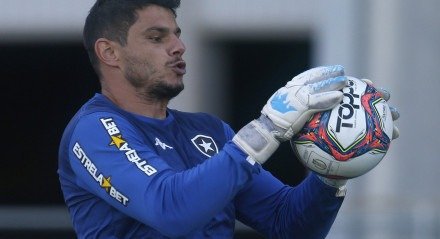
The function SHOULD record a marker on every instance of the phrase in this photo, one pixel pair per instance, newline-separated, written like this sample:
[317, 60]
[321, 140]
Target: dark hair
[111, 19]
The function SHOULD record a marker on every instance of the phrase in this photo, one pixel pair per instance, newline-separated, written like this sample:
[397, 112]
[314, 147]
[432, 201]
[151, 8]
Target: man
[130, 167]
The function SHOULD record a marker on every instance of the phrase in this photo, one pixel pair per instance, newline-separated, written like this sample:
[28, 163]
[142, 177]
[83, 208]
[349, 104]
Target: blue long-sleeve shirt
[129, 176]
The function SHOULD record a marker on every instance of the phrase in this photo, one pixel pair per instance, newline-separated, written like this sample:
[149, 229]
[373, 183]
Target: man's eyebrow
[157, 29]
[162, 30]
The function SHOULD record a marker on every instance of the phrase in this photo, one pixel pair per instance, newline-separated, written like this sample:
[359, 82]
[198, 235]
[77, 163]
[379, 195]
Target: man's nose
[178, 47]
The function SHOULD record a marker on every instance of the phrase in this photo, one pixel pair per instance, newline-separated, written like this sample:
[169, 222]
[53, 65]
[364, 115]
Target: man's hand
[317, 89]
[286, 112]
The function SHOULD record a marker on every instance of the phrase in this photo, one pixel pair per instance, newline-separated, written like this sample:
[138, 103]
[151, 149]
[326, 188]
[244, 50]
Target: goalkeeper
[130, 167]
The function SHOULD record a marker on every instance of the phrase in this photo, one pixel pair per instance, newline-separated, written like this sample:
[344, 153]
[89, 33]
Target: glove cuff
[257, 140]
[336, 183]
[280, 133]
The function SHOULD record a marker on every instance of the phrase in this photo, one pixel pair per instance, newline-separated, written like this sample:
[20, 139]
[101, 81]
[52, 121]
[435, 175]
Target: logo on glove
[280, 103]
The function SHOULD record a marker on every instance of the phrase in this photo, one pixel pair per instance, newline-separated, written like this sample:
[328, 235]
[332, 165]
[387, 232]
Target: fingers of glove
[396, 132]
[316, 74]
[325, 100]
[394, 113]
[385, 94]
[330, 84]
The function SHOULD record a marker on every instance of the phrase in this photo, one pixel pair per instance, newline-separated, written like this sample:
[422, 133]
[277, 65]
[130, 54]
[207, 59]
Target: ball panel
[315, 158]
[382, 109]
[347, 120]
[324, 164]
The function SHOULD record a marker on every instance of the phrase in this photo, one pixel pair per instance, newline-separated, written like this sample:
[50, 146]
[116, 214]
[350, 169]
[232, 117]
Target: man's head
[141, 39]
[111, 19]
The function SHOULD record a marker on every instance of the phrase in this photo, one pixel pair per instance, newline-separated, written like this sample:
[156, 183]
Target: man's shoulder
[95, 109]
[98, 104]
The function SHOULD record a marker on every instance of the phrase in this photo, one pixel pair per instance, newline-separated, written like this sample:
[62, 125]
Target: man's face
[152, 58]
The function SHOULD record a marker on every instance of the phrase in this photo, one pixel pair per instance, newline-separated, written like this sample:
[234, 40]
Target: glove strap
[257, 141]
[336, 183]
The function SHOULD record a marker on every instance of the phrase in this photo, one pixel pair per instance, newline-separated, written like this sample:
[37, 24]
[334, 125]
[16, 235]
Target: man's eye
[156, 39]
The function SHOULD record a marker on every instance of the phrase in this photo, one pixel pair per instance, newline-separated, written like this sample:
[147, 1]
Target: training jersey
[129, 176]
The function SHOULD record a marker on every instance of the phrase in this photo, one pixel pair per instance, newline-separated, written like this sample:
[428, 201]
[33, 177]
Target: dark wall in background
[257, 68]
[42, 86]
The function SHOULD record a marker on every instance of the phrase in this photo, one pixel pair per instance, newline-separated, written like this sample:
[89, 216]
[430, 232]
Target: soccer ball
[350, 139]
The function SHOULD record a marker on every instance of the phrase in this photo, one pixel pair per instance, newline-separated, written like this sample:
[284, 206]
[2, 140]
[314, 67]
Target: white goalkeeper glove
[288, 109]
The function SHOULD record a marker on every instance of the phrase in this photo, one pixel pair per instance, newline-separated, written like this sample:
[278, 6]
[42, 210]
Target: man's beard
[161, 90]
[148, 86]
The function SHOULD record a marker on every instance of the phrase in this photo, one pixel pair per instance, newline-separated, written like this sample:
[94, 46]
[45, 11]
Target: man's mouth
[179, 67]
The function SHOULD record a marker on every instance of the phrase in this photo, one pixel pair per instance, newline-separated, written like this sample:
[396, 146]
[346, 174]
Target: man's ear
[106, 51]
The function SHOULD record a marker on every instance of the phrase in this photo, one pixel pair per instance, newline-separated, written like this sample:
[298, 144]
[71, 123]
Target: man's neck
[137, 104]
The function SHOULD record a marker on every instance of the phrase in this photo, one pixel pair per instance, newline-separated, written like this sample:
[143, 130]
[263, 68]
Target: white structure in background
[395, 43]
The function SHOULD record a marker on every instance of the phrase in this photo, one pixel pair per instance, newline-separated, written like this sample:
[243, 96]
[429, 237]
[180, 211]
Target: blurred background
[238, 53]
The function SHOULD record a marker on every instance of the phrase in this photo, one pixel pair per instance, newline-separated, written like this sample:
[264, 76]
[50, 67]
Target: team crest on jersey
[205, 144]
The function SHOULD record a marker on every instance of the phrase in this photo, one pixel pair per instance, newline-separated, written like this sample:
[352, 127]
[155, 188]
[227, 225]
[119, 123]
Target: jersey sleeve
[114, 162]
[229, 132]
[281, 211]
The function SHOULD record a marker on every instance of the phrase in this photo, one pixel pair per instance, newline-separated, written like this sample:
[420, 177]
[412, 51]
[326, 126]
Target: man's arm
[280, 211]
[130, 176]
